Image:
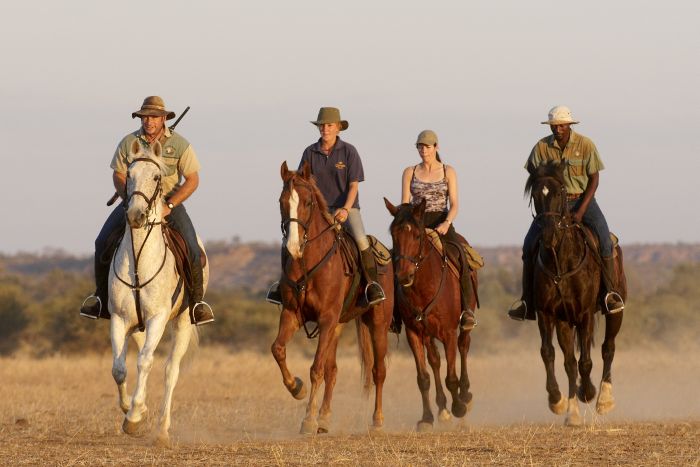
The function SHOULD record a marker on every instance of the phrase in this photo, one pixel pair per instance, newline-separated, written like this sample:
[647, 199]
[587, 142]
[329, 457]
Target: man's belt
[573, 196]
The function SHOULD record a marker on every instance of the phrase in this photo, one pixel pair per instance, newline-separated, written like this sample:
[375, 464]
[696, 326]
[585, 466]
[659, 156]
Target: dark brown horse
[314, 287]
[428, 298]
[567, 293]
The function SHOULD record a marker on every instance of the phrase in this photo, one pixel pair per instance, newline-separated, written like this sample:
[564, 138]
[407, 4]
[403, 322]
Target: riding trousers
[357, 229]
[593, 218]
[177, 219]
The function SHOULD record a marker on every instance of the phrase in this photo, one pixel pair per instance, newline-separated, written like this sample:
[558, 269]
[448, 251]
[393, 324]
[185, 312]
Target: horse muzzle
[136, 218]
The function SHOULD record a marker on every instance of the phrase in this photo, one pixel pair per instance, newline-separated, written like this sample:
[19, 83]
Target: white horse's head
[143, 184]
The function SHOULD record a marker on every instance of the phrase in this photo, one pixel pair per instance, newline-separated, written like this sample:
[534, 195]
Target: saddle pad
[381, 252]
[475, 260]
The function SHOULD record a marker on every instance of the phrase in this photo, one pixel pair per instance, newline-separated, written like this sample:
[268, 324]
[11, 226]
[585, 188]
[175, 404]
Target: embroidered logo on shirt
[340, 165]
[169, 149]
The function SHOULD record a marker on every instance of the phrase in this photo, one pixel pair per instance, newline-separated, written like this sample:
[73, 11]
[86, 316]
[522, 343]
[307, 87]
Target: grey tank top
[434, 193]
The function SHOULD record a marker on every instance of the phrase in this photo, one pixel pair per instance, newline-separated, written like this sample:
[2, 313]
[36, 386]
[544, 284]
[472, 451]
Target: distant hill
[255, 265]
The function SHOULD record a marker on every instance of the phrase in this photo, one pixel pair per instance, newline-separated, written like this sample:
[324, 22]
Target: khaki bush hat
[155, 107]
[330, 115]
[427, 137]
[559, 115]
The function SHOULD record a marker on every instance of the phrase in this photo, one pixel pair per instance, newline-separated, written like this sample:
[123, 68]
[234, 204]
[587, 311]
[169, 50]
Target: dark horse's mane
[405, 215]
[546, 169]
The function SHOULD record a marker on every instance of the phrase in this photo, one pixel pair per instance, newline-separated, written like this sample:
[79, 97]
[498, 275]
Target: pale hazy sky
[482, 74]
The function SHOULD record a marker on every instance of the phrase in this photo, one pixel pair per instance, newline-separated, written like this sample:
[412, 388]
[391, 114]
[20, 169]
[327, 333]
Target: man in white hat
[181, 181]
[582, 177]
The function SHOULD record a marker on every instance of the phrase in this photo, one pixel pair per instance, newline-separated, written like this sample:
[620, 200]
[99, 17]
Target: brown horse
[429, 301]
[314, 287]
[567, 292]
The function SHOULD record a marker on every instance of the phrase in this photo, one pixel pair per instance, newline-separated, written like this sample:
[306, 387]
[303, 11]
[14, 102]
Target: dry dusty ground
[233, 409]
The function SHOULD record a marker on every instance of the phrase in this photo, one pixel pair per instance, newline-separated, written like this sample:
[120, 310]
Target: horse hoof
[459, 409]
[322, 431]
[163, 441]
[444, 415]
[606, 401]
[308, 428]
[136, 429]
[559, 407]
[376, 429]
[299, 390]
[573, 420]
[424, 427]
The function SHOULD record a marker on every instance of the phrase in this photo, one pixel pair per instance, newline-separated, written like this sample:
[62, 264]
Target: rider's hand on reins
[341, 215]
[443, 228]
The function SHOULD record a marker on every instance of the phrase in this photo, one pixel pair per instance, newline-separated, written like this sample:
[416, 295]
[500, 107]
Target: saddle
[350, 253]
[176, 244]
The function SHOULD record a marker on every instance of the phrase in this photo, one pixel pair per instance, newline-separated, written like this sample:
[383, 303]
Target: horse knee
[278, 351]
[119, 373]
[547, 352]
[145, 363]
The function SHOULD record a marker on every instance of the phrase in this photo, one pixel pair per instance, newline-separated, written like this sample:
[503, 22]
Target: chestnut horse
[314, 287]
[429, 300]
[567, 292]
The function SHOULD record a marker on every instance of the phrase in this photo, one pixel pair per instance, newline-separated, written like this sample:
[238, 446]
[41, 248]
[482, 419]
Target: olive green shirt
[180, 158]
[580, 154]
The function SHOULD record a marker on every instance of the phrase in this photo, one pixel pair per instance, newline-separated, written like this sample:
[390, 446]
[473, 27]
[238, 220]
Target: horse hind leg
[379, 347]
[586, 390]
[182, 332]
[606, 401]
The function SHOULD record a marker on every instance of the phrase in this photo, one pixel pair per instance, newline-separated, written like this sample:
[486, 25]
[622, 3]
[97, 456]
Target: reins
[149, 226]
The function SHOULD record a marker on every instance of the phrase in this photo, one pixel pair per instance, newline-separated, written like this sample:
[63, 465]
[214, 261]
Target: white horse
[143, 280]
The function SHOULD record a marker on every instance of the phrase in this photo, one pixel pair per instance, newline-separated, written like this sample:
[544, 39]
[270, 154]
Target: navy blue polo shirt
[333, 173]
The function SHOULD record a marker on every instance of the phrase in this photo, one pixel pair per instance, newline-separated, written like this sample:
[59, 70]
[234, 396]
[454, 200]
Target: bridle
[418, 313]
[299, 286]
[149, 226]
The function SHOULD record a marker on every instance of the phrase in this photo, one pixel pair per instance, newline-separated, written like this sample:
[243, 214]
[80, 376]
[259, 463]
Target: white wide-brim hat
[559, 115]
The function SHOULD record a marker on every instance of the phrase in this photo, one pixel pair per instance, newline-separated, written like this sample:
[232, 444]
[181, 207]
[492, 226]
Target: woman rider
[437, 184]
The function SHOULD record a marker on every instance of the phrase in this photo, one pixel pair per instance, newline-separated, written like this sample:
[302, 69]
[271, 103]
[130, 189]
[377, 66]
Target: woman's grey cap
[330, 115]
[427, 137]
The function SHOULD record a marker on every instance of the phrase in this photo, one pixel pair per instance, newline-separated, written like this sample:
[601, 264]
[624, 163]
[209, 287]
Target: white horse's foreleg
[119, 348]
[154, 332]
[182, 331]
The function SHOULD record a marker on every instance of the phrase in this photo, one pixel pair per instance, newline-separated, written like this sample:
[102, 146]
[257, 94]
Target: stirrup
[616, 310]
[468, 313]
[379, 300]
[269, 291]
[99, 300]
[206, 321]
[512, 309]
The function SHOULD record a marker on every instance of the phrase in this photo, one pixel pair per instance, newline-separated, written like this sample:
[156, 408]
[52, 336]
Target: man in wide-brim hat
[180, 181]
[337, 169]
[582, 176]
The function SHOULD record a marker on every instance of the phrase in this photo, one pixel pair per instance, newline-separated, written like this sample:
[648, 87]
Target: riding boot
[373, 291]
[467, 320]
[525, 309]
[95, 306]
[200, 311]
[613, 300]
[273, 293]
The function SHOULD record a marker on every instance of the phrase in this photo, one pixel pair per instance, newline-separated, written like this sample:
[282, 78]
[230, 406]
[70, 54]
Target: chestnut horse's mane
[297, 179]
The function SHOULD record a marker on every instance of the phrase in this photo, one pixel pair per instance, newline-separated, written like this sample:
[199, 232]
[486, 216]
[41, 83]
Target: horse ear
[157, 149]
[419, 210]
[284, 171]
[306, 170]
[562, 167]
[135, 150]
[392, 209]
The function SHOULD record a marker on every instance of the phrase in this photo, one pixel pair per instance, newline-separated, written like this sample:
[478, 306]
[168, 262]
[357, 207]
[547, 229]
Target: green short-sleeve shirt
[180, 158]
[580, 154]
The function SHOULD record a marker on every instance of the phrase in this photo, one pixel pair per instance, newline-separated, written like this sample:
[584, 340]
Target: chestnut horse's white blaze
[293, 242]
[158, 287]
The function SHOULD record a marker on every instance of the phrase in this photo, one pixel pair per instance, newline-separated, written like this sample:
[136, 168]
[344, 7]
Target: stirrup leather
[379, 300]
[269, 291]
[202, 303]
[613, 295]
[99, 300]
